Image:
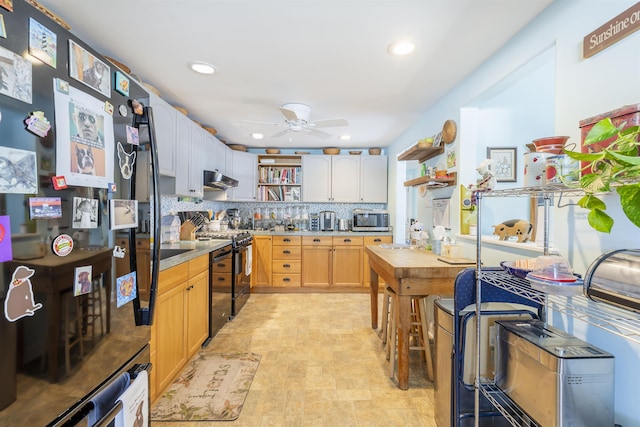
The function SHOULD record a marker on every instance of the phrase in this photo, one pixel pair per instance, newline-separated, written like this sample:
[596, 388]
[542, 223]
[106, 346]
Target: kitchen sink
[168, 253]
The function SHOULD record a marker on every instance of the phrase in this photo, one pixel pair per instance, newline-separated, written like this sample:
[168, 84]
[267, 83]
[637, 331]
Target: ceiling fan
[296, 119]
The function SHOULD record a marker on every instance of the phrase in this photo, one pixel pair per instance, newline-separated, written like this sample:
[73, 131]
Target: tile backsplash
[246, 209]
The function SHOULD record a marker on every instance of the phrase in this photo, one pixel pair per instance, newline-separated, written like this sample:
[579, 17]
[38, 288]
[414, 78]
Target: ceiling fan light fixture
[402, 47]
[202, 67]
[257, 135]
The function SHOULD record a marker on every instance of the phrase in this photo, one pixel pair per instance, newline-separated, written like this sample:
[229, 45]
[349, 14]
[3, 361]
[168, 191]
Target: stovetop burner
[237, 237]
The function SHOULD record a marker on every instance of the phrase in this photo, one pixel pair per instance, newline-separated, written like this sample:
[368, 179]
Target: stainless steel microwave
[370, 220]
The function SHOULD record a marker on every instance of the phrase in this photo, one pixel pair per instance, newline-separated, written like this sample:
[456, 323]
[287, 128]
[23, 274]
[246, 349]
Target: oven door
[241, 278]
[221, 285]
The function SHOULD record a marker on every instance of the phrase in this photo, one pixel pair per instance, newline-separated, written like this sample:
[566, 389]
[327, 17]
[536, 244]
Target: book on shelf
[273, 195]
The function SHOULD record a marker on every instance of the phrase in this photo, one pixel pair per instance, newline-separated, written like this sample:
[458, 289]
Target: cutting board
[456, 261]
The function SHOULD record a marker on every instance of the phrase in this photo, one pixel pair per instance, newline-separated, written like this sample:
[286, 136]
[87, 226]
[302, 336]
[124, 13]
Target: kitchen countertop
[319, 233]
[195, 249]
[198, 248]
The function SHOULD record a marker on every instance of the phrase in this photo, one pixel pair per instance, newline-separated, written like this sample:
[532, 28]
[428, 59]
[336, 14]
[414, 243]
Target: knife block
[187, 231]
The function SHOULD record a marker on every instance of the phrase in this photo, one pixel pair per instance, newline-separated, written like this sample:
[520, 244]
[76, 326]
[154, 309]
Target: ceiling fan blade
[281, 133]
[328, 123]
[289, 114]
[319, 133]
[261, 123]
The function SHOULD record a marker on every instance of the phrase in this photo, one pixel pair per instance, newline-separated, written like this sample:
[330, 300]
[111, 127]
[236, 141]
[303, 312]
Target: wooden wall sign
[612, 32]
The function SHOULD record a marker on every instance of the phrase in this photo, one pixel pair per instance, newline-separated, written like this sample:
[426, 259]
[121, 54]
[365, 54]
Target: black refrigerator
[78, 200]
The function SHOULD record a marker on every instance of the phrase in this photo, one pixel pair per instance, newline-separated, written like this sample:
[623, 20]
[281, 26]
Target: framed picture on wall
[504, 165]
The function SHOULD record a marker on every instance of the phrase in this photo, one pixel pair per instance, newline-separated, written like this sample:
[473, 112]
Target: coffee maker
[327, 220]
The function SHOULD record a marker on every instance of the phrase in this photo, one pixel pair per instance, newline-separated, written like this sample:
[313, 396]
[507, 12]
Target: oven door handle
[222, 256]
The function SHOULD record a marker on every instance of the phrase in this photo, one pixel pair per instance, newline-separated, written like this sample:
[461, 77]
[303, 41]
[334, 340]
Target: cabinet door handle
[286, 279]
[221, 279]
[286, 265]
[377, 240]
[286, 252]
[316, 240]
[286, 239]
[347, 240]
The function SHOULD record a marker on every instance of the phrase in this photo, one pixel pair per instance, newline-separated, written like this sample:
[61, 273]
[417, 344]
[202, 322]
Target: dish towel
[249, 260]
[107, 397]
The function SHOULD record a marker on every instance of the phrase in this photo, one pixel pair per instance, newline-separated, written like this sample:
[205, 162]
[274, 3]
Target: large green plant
[617, 167]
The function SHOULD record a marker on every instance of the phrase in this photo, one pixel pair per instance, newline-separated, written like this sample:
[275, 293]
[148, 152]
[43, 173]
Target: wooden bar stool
[386, 313]
[71, 316]
[419, 337]
[92, 310]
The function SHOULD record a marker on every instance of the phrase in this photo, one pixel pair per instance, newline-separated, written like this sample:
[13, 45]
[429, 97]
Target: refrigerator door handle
[144, 316]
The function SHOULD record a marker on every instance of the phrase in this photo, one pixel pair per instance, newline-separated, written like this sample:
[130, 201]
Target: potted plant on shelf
[617, 166]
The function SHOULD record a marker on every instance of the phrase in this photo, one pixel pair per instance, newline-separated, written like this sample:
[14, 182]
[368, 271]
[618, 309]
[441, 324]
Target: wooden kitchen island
[410, 273]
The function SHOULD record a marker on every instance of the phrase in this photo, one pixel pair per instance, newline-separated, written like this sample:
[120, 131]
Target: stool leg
[422, 303]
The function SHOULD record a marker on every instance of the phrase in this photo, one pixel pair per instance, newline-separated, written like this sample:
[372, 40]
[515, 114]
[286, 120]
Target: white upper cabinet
[345, 179]
[164, 119]
[243, 169]
[316, 178]
[215, 154]
[196, 161]
[373, 179]
[189, 138]
[215, 157]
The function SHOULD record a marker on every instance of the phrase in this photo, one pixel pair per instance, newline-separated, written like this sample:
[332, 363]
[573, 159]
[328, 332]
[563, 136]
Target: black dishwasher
[220, 289]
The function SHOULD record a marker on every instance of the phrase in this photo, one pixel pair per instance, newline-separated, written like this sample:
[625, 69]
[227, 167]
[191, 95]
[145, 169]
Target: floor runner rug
[212, 387]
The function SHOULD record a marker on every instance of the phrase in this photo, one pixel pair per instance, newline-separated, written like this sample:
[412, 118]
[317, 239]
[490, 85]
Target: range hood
[214, 180]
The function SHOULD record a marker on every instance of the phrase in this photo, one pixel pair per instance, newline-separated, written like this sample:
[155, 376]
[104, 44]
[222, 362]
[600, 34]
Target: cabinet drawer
[377, 240]
[198, 265]
[287, 252]
[290, 266]
[171, 277]
[317, 240]
[286, 240]
[348, 240]
[284, 280]
[221, 280]
[223, 266]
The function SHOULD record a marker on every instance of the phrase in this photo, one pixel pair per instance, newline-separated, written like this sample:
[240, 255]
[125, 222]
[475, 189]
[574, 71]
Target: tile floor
[322, 365]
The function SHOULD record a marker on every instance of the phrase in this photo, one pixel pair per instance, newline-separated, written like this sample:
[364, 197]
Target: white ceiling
[329, 54]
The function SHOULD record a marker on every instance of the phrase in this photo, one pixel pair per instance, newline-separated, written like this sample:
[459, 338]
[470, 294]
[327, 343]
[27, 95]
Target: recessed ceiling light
[345, 137]
[402, 47]
[202, 67]
[257, 135]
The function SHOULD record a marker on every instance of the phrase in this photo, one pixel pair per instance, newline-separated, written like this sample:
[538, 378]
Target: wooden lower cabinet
[347, 261]
[317, 261]
[371, 241]
[262, 259]
[287, 264]
[312, 262]
[181, 320]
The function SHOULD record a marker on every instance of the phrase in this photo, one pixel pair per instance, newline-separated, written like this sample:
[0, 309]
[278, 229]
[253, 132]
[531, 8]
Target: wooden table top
[413, 263]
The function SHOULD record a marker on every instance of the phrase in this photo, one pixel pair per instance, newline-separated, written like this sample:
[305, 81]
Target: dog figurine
[514, 228]
[126, 161]
[86, 164]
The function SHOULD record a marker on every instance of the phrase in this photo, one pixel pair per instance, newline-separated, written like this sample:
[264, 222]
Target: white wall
[581, 88]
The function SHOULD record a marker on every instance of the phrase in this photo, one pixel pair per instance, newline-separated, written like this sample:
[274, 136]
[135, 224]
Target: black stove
[239, 238]
[240, 265]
